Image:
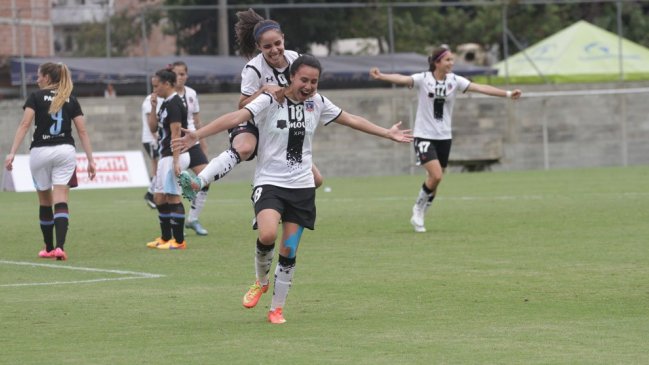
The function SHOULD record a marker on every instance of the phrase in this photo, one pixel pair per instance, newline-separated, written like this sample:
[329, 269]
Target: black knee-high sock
[426, 189]
[61, 218]
[178, 221]
[164, 214]
[46, 218]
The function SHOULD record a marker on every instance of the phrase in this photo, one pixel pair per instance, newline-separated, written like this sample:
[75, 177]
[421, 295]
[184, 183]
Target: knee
[244, 146]
[267, 238]
[434, 180]
[244, 151]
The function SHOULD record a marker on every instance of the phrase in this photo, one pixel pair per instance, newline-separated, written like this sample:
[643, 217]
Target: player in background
[52, 156]
[198, 153]
[437, 89]
[284, 188]
[172, 116]
[267, 71]
[150, 140]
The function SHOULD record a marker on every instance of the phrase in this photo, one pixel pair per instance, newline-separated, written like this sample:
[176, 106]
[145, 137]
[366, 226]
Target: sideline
[130, 274]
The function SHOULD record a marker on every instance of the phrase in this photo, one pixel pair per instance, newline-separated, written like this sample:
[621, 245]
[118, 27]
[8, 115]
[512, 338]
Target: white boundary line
[132, 274]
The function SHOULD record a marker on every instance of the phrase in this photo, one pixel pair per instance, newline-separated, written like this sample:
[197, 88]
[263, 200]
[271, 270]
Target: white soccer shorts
[52, 165]
[166, 182]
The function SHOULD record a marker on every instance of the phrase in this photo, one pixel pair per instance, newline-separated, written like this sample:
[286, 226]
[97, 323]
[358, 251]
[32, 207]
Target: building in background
[25, 29]
[69, 16]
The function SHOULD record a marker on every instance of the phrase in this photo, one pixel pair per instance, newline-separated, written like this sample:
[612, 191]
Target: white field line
[130, 275]
[330, 197]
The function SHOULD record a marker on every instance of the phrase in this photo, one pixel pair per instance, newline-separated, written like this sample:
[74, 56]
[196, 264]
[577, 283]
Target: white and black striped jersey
[258, 73]
[147, 136]
[171, 111]
[435, 107]
[284, 154]
[52, 129]
[190, 100]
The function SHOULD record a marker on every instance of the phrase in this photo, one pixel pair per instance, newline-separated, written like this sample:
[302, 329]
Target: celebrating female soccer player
[437, 90]
[284, 189]
[268, 71]
[52, 156]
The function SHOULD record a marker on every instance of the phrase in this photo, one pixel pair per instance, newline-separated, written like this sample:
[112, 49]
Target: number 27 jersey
[284, 154]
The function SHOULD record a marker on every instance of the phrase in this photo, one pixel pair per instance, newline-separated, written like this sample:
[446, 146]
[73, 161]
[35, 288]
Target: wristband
[509, 94]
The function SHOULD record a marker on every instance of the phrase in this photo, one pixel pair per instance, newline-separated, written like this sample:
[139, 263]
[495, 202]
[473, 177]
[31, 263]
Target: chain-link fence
[551, 127]
[495, 29]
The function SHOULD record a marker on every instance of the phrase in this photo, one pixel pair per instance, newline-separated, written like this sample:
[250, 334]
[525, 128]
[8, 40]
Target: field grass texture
[542, 267]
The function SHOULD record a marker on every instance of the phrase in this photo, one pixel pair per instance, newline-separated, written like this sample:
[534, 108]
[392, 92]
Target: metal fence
[107, 28]
[551, 127]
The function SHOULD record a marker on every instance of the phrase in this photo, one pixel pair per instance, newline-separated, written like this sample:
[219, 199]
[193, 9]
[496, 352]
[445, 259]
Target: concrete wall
[582, 131]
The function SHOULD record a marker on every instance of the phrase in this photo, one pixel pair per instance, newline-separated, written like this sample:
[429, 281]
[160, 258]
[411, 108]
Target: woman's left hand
[400, 135]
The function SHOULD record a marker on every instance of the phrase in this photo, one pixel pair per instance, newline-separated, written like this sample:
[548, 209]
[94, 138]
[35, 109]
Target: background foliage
[417, 28]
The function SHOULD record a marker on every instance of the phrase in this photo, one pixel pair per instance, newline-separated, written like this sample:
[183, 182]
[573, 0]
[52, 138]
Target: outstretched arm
[397, 79]
[494, 91]
[364, 125]
[220, 124]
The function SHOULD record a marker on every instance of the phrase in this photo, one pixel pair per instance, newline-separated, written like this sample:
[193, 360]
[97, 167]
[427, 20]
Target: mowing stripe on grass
[131, 274]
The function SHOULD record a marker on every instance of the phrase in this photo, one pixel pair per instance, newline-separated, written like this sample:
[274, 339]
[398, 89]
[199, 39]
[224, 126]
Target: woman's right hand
[375, 73]
[9, 162]
[183, 143]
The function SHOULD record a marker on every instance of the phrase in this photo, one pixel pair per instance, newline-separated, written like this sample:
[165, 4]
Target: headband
[262, 29]
[441, 55]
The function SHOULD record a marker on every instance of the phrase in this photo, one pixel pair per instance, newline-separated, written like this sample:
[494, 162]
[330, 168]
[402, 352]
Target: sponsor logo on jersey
[300, 124]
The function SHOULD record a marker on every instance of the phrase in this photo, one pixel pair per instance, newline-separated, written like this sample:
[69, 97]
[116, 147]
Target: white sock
[283, 281]
[263, 262]
[219, 166]
[422, 200]
[152, 185]
[429, 202]
[197, 205]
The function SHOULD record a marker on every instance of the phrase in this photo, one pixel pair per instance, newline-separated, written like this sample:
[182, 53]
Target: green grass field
[516, 268]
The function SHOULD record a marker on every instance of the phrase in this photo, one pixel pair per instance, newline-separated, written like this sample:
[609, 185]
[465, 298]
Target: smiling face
[271, 45]
[304, 83]
[445, 64]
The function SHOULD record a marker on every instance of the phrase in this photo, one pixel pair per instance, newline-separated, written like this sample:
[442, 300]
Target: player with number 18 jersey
[285, 138]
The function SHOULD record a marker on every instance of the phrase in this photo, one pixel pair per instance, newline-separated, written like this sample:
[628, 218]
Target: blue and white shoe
[196, 226]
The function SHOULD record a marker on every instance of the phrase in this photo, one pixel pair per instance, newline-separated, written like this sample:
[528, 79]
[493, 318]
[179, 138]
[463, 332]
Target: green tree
[126, 31]
[416, 28]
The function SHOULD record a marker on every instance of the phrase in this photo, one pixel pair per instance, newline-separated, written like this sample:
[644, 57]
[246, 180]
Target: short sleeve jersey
[190, 100]
[258, 73]
[52, 129]
[147, 136]
[435, 107]
[171, 111]
[286, 131]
